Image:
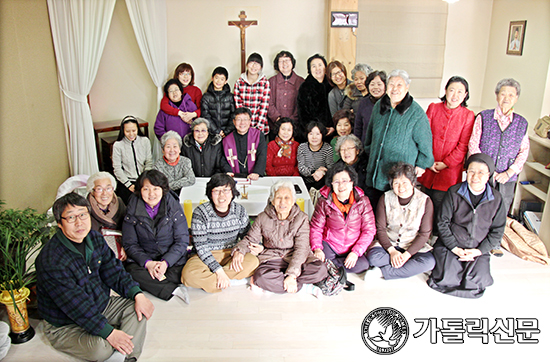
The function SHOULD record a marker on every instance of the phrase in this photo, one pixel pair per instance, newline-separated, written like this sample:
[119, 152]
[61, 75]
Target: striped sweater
[309, 161]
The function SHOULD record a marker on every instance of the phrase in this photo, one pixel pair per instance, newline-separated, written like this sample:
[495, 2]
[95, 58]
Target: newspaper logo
[385, 330]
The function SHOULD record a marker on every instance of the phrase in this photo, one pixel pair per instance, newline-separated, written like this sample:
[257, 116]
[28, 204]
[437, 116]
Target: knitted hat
[483, 158]
[255, 57]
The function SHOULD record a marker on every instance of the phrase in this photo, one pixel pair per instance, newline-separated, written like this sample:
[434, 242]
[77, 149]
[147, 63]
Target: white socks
[237, 282]
[311, 289]
[181, 292]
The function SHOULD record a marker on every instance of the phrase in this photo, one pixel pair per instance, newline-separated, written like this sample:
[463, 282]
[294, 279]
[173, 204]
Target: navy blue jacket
[164, 238]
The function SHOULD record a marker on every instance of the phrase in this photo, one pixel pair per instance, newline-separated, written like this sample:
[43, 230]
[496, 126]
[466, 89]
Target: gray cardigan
[180, 175]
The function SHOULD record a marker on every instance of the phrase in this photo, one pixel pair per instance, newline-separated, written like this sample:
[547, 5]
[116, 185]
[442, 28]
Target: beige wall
[198, 34]
[33, 150]
[466, 45]
[545, 109]
[122, 85]
[531, 68]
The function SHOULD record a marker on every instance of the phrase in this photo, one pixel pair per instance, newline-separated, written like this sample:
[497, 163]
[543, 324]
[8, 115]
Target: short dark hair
[402, 169]
[71, 199]
[220, 71]
[343, 113]
[374, 74]
[283, 53]
[183, 67]
[221, 179]
[125, 120]
[282, 121]
[457, 79]
[315, 56]
[241, 110]
[171, 82]
[156, 178]
[341, 167]
[311, 125]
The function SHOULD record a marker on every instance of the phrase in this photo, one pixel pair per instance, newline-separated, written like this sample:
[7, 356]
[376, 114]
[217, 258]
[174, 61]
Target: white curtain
[79, 30]
[149, 23]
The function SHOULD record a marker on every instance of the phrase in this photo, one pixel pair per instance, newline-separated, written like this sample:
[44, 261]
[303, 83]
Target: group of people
[387, 175]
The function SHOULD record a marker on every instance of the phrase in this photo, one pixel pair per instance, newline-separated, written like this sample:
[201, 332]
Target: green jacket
[396, 134]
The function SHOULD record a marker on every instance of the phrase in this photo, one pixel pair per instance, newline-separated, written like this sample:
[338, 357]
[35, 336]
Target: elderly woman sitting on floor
[404, 219]
[106, 210]
[286, 263]
[176, 168]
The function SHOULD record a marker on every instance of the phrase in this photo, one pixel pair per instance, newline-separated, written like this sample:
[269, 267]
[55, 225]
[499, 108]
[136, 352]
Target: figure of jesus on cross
[242, 24]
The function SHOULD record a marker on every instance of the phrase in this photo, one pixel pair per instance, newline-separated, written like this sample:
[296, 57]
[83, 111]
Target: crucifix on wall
[242, 24]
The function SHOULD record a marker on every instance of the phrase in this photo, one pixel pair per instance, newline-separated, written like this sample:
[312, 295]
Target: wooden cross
[242, 24]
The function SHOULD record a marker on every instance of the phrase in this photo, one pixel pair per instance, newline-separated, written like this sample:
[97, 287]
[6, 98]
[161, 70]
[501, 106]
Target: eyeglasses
[334, 74]
[478, 173]
[200, 130]
[347, 149]
[219, 192]
[106, 189]
[341, 182]
[72, 219]
[174, 91]
[285, 60]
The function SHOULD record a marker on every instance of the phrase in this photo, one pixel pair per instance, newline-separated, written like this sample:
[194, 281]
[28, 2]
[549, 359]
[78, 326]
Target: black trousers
[162, 290]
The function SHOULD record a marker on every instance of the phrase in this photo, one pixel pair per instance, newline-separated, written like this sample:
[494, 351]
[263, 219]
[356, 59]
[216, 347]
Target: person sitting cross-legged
[217, 226]
[155, 237]
[404, 220]
[76, 271]
[342, 226]
[286, 262]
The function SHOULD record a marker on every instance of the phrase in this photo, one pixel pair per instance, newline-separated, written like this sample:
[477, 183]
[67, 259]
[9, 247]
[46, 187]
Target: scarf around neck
[105, 217]
[344, 207]
[172, 163]
[286, 147]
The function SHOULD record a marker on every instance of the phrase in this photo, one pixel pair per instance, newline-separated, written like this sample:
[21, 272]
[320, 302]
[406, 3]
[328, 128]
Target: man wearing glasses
[245, 148]
[75, 272]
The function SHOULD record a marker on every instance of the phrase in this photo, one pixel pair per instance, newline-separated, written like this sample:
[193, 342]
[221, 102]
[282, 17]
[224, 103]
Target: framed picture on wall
[516, 36]
[344, 19]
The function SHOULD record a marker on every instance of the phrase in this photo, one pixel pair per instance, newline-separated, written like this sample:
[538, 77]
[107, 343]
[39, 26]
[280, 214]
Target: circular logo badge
[385, 330]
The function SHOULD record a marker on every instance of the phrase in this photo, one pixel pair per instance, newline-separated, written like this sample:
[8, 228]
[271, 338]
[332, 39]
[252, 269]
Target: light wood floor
[240, 325]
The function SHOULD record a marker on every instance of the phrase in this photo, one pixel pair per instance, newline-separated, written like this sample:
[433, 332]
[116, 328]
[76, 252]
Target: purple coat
[166, 122]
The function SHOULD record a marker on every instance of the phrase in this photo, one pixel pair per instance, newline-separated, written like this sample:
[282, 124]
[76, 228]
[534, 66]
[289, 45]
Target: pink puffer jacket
[355, 233]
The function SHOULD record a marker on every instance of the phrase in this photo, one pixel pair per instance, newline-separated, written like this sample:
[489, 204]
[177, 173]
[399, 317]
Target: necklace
[243, 164]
